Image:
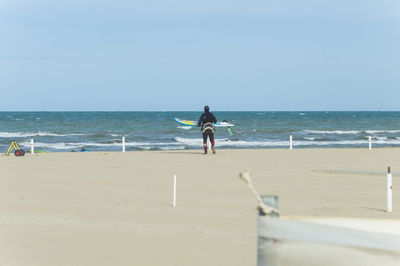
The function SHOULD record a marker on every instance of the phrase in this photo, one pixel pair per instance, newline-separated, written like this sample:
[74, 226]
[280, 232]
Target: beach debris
[14, 147]
[267, 210]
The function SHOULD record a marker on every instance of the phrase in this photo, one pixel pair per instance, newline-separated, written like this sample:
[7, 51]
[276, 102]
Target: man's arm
[200, 120]
[215, 119]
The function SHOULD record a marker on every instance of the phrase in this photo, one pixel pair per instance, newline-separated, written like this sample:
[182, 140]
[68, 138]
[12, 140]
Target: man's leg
[212, 141]
[205, 142]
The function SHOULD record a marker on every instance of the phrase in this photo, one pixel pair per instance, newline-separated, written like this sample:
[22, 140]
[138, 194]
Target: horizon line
[170, 111]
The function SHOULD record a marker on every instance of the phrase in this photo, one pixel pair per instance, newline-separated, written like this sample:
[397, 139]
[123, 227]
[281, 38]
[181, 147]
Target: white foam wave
[340, 143]
[350, 132]
[184, 127]
[231, 143]
[31, 134]
[173, 148]
[54, 146]
[339, 132]
[274, 143]
[243, 143]
[190, 142]
[330, 143]
[381, 131]
[148, 143]
[346, 142]
[182, 143]
[75, 145]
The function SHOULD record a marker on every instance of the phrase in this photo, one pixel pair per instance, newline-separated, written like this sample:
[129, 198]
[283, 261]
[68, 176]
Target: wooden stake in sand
[369, 142]
[389, 191]
[32, 146]
[291, 142]
[174, 200]
[123, 143]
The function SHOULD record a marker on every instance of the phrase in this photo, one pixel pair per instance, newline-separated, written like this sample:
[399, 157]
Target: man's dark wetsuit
[206, 122]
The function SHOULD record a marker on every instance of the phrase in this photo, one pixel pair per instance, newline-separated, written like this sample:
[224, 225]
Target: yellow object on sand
[13, 146]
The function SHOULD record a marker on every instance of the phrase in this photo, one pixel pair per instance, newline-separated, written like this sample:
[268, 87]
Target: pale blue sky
[181, 55]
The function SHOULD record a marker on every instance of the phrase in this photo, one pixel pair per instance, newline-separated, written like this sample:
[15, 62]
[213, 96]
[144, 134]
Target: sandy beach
[114, 208]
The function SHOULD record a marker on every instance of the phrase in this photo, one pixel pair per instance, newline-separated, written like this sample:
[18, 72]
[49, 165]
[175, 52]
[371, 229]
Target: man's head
[206, 109]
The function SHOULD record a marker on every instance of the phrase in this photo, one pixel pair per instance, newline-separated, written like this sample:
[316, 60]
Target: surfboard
[192, 123]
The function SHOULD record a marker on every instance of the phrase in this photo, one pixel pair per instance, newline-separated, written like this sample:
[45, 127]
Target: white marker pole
[123, 143]
[369, 142]
[290, 142]
[389, 191]
[32, 147]
[174, 200]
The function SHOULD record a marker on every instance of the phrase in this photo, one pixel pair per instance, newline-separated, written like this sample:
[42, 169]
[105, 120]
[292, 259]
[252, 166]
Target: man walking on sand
[206, 122]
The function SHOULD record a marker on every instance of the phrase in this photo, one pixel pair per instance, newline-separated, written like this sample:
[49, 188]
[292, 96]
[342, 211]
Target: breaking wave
[36, 134]
[339, 132]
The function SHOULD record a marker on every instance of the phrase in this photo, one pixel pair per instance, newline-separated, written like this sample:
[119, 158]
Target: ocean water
[102, 131]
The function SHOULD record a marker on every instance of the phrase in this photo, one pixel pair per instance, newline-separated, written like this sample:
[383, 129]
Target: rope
[245, 176]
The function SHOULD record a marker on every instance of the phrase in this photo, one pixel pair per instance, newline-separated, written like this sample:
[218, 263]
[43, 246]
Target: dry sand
[112, 208]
